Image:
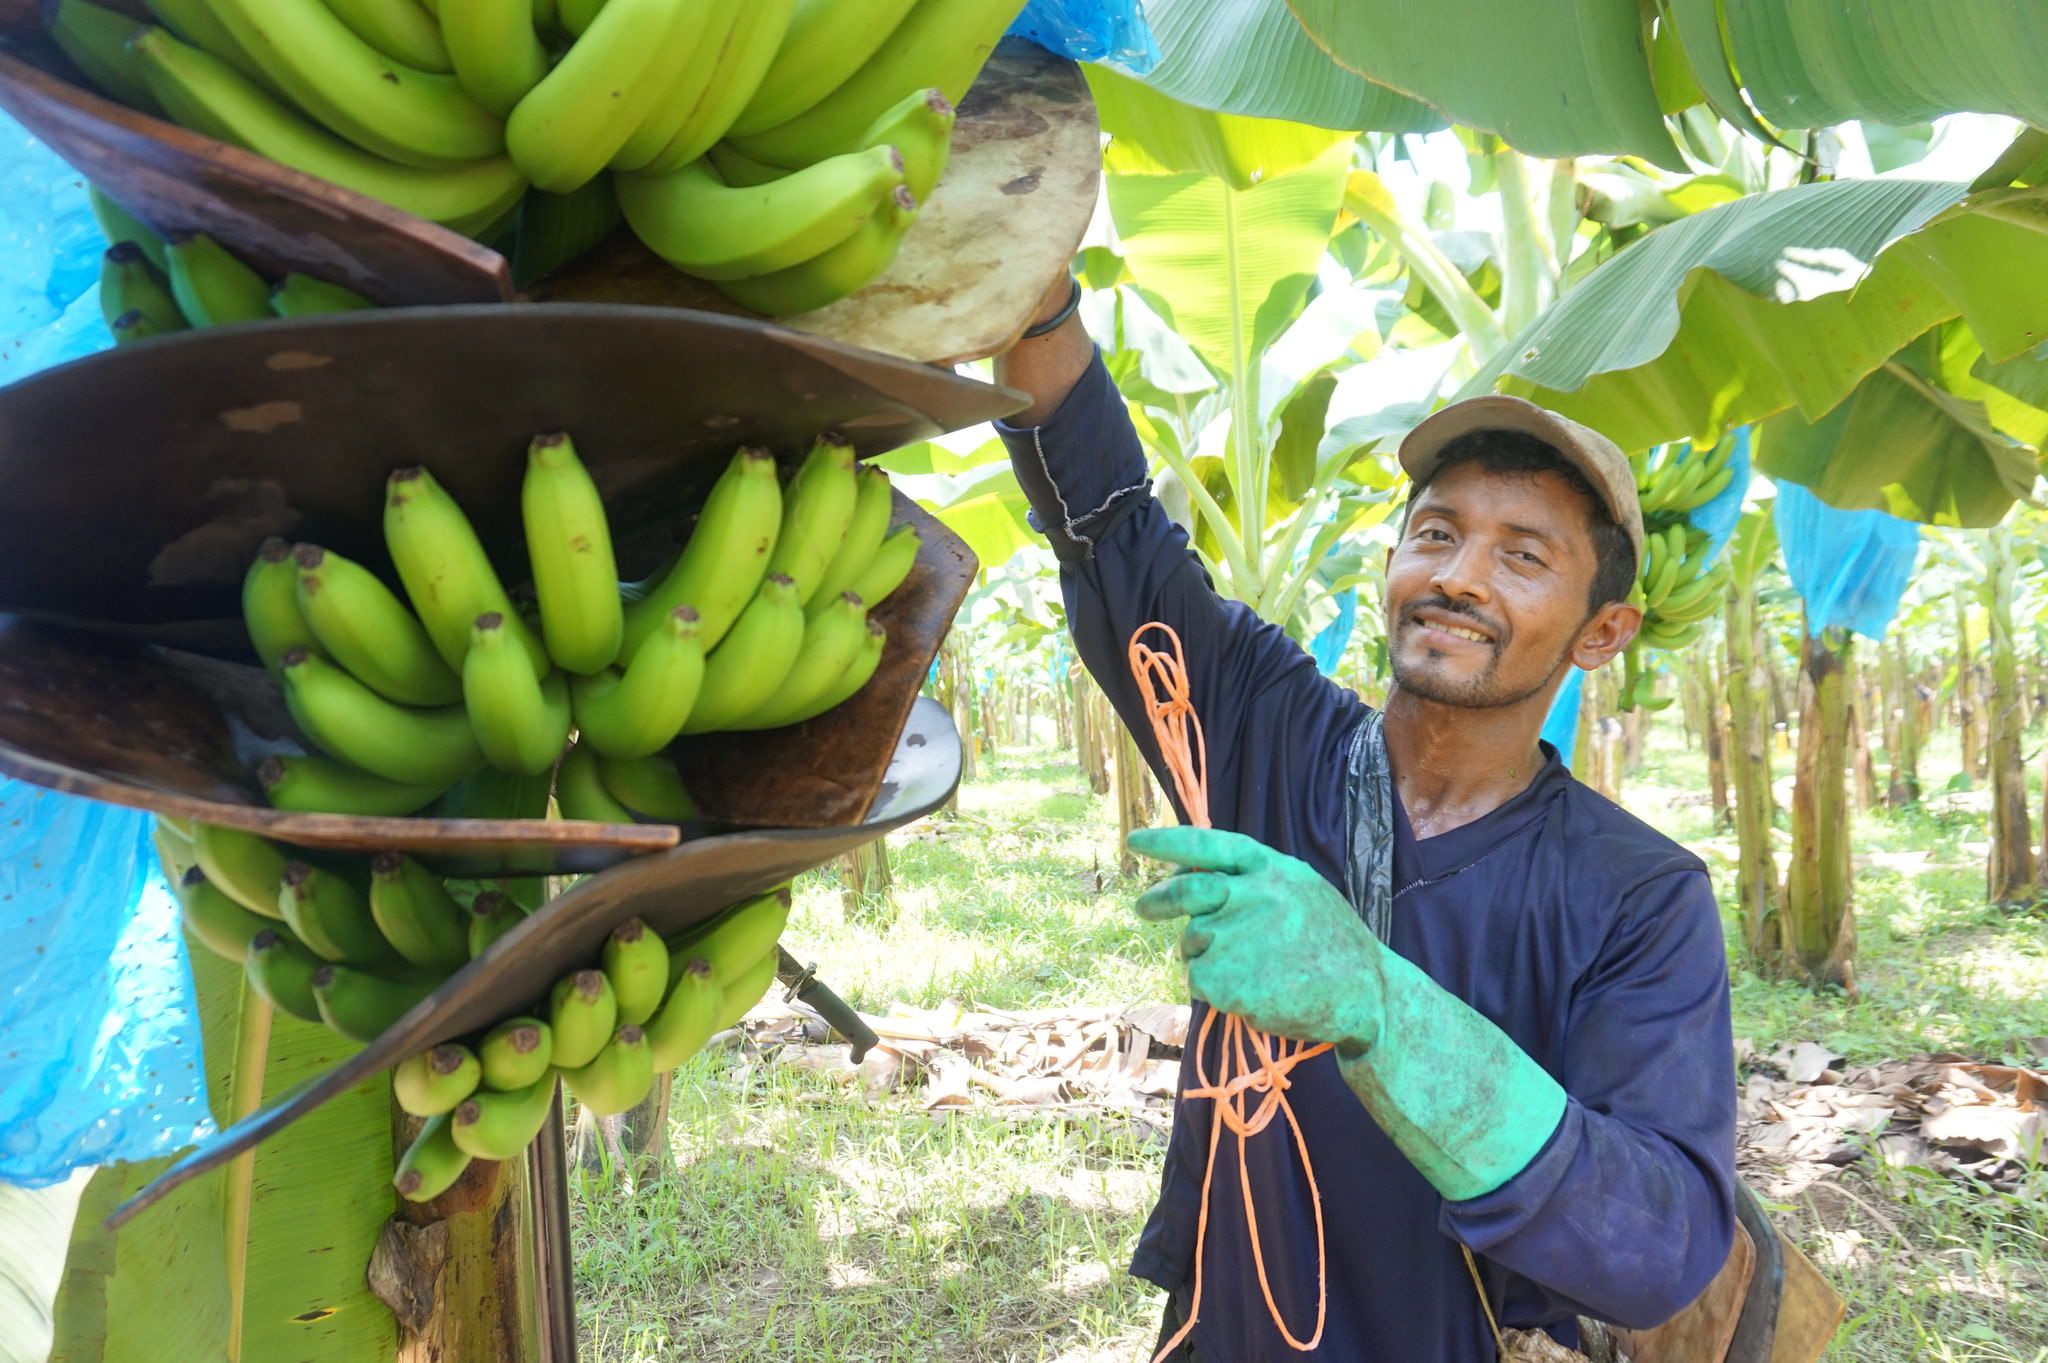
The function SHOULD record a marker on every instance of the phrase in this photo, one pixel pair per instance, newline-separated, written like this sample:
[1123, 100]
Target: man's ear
[1610, 631]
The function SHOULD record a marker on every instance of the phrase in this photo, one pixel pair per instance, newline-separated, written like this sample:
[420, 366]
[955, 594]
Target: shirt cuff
[1083, 469]
[1484, 1221]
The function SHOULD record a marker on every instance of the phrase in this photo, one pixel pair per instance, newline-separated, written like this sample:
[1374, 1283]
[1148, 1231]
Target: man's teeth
[1460, 632]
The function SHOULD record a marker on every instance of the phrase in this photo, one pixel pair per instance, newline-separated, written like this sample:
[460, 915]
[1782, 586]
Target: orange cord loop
[1251, 1061]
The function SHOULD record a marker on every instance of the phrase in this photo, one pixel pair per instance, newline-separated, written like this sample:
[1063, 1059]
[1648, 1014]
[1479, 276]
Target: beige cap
[1590, 452]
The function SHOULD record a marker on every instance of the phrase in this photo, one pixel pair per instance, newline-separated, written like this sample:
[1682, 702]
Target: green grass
[804, 1219]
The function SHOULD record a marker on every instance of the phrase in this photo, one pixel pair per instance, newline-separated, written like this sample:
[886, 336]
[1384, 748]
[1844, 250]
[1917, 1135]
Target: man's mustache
[1446, 606]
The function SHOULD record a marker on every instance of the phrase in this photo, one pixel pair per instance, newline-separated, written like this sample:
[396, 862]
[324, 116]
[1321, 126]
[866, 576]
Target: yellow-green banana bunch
[344, 942]
[150, 286]
[1680, 581]
[608, 1032]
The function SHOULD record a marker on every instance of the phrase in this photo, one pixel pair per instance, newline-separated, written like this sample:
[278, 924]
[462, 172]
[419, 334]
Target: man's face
[1487, 590]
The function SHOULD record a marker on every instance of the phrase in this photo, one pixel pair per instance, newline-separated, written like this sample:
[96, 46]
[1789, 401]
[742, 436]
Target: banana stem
[1482, 331]
[1529, 265]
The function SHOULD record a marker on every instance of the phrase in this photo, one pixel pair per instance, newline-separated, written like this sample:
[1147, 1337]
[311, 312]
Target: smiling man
[1524, 986]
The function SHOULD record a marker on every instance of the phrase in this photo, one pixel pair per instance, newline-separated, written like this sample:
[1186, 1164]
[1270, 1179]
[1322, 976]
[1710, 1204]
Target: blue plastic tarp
[1327, 648]
[1849, 567]
[102, 1061]
[1092, 31]
[1561, 728]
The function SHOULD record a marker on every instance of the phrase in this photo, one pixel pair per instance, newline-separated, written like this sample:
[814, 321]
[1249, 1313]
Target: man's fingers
[1194, 940]
[1200, 849]
[1186, 895]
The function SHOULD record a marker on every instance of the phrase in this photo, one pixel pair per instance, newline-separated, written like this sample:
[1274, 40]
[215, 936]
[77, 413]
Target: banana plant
[1751, 553]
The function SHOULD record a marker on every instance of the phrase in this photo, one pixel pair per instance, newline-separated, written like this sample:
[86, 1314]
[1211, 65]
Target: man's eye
[1528, 557]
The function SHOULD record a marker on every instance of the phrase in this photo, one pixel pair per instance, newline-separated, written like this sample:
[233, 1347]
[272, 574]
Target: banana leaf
[263, 1260]
[1780, 300]
[1156, 133]
[1892, 61]
[1552, 77]
[1252, 57]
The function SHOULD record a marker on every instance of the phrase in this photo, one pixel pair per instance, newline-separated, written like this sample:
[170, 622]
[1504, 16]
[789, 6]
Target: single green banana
[494, 794]
[298, 295]
[350, 721]
[492, 914]
[249, 869]
[517, 1052]
[576, 16]
[853, 679]
[362, 625]
[416, 914]
[920, 127]
[580, 790]
[737, 938]
[740, 170]
[889, 567]
[1716, 484]
[753, 660]
[497, 55]
[282, 971]
[748, 988]
[940, 43]
[207, 94]
[521, 721]
[436, 1080]
[128, 282]
[132, 326]
[403, 30]
[191, 21]
[501, 1125]
[816, 510]
[839, 273]
[683, 1025]
[582, 1011]
[431, 1164]
[722, 565]
[569, 127]
[827, 41]
[173, 851]
[833, 638]
[648, 787]
[414, 117]
[635, 960]
[681, 96]
[96, 41]
[570, 543]
[213, 288]
[618, 1077]
[270, 604]
[362, 1006]
[118, 225]
[446, 573]
[749, 48]
[873, 504]
[707, 228]
[217, 922]
[640, 711]
[332, 917]
[310, 784]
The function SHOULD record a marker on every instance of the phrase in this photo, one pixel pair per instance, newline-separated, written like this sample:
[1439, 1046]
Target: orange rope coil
[1250, 1061]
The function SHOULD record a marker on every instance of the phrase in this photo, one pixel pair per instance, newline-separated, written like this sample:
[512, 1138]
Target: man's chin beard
[1478, 693]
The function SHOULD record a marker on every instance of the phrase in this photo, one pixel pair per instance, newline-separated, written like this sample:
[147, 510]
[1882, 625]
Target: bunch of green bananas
[149, 286]
[350, 942]
[834, 116]
[761, 622]
[1680, 582]
[608, 1032]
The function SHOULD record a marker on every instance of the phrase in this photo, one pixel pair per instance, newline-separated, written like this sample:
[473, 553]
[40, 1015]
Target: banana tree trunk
[1749, 724]
[1133, 797]
[1819, 910]
[1966, 689]
[462, 1273]
[1714, 735]
[1863, 776]
[2009, 877]
[1090, 740]
[1902, 734]
[1692, 686]
[865, 880]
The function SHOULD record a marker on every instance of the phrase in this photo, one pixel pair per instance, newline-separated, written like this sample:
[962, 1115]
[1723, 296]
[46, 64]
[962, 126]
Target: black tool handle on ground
[804, 984]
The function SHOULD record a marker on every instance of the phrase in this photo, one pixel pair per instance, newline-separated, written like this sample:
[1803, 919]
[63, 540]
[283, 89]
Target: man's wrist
[1052, 321]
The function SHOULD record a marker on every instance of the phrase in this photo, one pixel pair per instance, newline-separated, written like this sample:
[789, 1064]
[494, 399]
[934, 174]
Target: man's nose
[1466, 573]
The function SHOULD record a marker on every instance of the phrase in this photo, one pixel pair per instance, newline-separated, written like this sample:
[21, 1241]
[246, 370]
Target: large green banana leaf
[1807, 65]
[1903, 444]
[1252, 57]
[1777, 300]
[262, 1260]
[1552, 77]
[1156, 133]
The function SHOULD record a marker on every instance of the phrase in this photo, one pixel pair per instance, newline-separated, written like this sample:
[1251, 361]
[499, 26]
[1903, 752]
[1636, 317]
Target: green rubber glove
[1271, 941]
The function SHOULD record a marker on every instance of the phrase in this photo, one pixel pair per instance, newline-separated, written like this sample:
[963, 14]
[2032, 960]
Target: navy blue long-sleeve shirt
[1589, 938]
